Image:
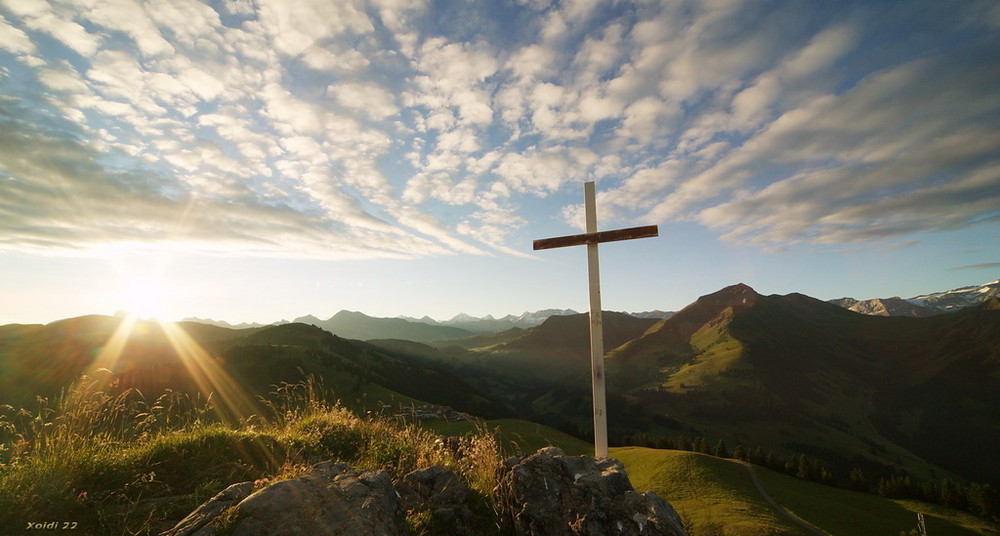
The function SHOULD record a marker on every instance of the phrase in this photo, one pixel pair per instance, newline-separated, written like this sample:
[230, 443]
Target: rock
[545, 494]
[197, 523]
[330, 500]
[443, 494]
[551, 494]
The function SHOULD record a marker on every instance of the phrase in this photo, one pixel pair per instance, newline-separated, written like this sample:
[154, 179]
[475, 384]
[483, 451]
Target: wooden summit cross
[591, 238]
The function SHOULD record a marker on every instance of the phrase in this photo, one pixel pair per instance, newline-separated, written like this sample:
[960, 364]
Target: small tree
[951, 494]
[859, 480]
[805, 469]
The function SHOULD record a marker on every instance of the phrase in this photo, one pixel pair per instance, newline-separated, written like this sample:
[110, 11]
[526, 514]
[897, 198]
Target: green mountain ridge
[559, 347]
[37, 360]
[796, 374]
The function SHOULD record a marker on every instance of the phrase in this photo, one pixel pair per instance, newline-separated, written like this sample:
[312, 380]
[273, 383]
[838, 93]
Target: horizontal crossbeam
[596, 238]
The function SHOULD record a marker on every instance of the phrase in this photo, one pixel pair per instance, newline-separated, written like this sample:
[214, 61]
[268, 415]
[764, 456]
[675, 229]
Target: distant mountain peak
[308, 319]
[734, 295]
[681, 325]
[463, 317]
[738, 288]
[344, 313]
[924, 304]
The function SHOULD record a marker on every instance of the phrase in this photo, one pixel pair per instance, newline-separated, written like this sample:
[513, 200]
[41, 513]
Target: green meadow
[717, 497]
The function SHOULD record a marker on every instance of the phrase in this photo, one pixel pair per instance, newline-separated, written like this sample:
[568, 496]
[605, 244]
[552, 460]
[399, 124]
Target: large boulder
[199, 522]
[546, 494]
[443, 495]
[330, 500]
[551, 494]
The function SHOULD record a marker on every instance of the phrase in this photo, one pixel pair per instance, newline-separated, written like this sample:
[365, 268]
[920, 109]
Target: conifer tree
[804, 469]
[720, 450]
[859, 480]
[984, 501]
[929, 491]
[951, 494]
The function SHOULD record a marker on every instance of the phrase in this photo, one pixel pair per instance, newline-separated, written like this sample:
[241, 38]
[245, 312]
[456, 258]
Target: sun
[143, 296]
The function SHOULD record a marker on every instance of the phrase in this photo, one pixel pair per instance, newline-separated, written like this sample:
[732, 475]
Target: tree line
[981, 499]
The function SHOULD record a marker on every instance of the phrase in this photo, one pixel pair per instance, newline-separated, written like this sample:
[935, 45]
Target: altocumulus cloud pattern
[402, 128]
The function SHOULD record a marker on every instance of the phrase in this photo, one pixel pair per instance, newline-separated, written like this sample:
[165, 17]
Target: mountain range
[790, 374]
[356, 325]
[796, 373]
[926, 304]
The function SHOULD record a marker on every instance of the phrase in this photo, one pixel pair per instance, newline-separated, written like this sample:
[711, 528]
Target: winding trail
[781, 509]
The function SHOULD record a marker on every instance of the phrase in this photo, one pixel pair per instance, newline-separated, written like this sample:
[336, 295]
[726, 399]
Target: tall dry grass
[115, 463]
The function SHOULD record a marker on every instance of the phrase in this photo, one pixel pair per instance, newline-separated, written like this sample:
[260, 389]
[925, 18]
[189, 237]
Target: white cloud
[545, 171]
[871, 166]
[370, 99]
[432, 227]
[130, 18]
[58, 23]
[453, 79]
[241, 7]
[295, 27]
[13, 40]
[328, 59]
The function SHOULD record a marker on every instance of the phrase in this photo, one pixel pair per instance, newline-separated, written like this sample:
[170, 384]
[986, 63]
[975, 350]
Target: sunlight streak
[209, 376]
[112, 350]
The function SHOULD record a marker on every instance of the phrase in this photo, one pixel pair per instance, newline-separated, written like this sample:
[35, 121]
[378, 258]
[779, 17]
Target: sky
[258, 160]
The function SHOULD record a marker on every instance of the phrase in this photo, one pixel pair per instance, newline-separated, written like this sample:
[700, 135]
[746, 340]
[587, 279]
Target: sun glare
[143, 297]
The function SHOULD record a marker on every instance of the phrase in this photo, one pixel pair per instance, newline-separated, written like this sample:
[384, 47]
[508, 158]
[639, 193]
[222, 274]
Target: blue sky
[253, 160]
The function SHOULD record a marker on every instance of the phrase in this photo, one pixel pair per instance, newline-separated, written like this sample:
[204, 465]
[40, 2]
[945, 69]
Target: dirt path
[781, 509]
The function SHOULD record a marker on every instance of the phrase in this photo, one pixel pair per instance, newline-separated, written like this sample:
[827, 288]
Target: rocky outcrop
[551, 494]
[441, 493]
[885, 307]
[545, 494]
[200, 522]
[330, 500]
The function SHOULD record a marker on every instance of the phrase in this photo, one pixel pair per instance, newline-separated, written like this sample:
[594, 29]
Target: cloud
[894, 172]
[980, 266]
[295, 27]
[14, 40]
[369, 99]
[56, 22]
[129, 18]
[374, 128]
[68, 200]
[452, 81]
[545, 171]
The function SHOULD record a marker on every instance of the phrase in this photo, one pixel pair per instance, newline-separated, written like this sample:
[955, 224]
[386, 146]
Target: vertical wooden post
[591, 238]
[596, 329]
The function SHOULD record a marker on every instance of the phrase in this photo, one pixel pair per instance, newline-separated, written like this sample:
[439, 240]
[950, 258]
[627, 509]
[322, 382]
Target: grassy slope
[119, 466]
[515, 436]
[796, 375]
[716, 496]
[712, 496]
